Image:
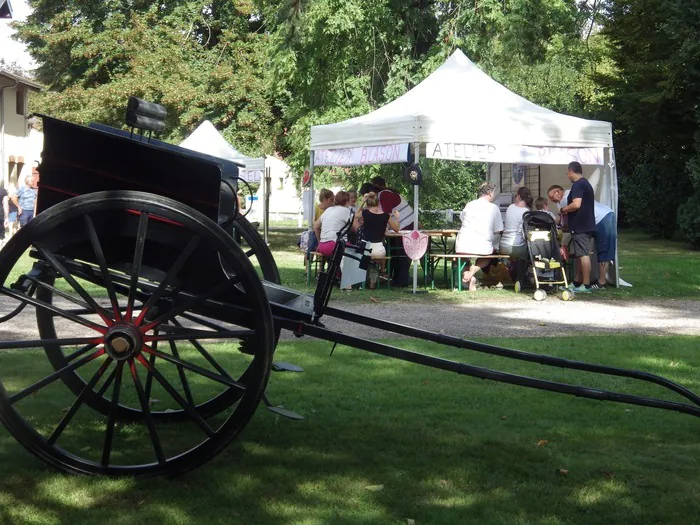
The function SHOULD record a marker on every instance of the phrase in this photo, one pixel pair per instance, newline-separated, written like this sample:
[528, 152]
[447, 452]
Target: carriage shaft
[559, 362]
[302, 328]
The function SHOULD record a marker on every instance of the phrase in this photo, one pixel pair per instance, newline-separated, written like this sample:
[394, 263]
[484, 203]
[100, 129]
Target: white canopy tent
[207, 139]
[460, 113]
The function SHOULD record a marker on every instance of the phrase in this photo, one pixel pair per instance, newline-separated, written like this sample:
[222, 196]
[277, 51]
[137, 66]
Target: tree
[654, 45]
[334, 60]
[200, 59]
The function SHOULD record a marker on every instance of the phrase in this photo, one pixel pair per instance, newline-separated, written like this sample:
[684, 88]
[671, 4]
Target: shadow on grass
[387, 442]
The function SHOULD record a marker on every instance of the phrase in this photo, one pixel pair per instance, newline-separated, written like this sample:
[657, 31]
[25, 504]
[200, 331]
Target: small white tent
[460, 113]
[207, 139]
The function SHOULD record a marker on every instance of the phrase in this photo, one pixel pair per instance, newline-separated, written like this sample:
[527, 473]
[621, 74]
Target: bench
[461, 259]
[312, 262]
[387, 260]
[315, 259]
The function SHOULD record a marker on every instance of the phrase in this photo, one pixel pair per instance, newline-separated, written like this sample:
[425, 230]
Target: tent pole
[311, 190]
[267, 190]
[416, 158]
[611, 166]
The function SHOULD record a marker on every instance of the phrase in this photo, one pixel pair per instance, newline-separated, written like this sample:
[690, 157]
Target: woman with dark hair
[374, 223]
[513, 240]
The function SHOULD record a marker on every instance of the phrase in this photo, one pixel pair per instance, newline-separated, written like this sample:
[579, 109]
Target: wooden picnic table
[439, 244]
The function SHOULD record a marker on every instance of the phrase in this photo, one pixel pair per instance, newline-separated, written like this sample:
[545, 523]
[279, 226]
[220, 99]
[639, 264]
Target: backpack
[303, 241]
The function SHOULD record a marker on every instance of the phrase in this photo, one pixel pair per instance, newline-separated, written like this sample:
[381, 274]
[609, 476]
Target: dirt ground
[488, 318]
[551, 317]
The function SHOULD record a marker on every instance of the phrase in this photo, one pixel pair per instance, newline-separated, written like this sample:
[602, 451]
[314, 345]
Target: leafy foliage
[689, 219]
[264, 72]
[655, 95]
[202, 60]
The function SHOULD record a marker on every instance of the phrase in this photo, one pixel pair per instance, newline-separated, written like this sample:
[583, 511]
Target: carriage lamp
[145, 116]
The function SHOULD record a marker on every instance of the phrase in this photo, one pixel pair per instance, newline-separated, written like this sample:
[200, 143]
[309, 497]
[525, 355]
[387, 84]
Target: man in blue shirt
[580, 212]
[25, 200]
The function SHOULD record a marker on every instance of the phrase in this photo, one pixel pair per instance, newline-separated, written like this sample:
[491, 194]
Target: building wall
[16, 141]
[285, 203]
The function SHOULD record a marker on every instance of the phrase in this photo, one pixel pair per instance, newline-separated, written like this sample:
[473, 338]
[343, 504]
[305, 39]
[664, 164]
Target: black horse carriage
[158, 308]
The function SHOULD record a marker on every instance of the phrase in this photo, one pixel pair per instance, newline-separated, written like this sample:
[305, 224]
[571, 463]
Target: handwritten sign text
[389, 154]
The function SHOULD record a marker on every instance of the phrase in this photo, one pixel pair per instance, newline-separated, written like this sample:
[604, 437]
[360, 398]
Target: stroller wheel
[540, 295]
[567, 295]
[518, 287]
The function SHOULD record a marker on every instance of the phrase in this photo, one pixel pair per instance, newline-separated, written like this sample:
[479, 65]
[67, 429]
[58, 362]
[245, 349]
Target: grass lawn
[657, 268]
[387, 442]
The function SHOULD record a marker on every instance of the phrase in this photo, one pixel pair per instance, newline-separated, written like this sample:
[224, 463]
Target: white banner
[519, 154]
[389, 154]
[250, 175]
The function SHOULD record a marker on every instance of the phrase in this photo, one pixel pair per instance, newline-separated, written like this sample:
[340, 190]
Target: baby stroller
[540, 233]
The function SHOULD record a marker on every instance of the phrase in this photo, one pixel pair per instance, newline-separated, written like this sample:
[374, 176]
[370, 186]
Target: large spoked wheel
[257, 252]
[145, 323]
[253, 245]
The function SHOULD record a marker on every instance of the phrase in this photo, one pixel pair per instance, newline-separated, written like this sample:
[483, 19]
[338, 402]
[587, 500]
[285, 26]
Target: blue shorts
[606, 238]
[12, 216]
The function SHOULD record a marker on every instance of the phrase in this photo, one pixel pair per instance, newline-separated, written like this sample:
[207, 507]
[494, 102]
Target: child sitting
[541, 204]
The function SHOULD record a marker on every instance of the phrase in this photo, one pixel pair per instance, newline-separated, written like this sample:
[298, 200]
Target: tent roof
[207, 139]
[5, 9]
[459, 103]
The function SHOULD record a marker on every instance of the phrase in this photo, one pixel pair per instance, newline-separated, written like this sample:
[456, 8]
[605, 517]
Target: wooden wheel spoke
[189, 334]
[86, 308]
[149, 376]
[112, 415]
[189, 409]
[53, 309]
[207, 355]
[174, 270]
[203, 322]
[224, 379]
[52, 259]
[102, 262]
[78, 402]
[136, 266]
[107, 382]
[80, 351]
[192, 303]
[181, 373]
[91, 342]
[145, 406]
[53, 377]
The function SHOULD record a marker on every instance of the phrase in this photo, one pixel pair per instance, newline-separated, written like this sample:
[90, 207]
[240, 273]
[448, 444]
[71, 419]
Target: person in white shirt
[329, 225]
[331, 221]
[513, 240]
[480, 232]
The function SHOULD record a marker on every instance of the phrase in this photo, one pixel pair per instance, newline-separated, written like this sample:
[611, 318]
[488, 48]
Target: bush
[689, 219]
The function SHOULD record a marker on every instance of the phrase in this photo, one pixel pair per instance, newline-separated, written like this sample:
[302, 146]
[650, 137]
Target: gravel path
[487, 318]
[551, 317]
